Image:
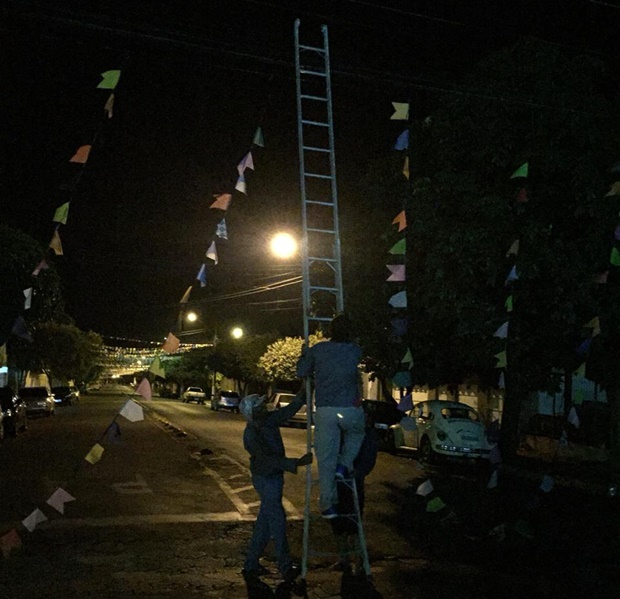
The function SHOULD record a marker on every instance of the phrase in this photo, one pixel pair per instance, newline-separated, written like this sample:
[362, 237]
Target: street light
[283, 245]
[236, 332]
[191, 317]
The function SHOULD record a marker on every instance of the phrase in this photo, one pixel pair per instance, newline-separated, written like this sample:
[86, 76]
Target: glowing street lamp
[283, 245]
[191, 317]
[236, 332]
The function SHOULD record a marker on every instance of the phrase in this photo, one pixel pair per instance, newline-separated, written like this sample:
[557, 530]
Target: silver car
[39, 400]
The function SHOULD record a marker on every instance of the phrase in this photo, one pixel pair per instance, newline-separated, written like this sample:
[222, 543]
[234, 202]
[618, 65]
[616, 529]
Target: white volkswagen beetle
[441, 427]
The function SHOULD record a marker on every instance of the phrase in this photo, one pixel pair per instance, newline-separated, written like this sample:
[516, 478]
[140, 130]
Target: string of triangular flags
[221, 202]
[131, 411]
[398, 301]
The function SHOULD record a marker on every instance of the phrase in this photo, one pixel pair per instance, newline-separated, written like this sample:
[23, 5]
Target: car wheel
[390, 442]
[426, 451]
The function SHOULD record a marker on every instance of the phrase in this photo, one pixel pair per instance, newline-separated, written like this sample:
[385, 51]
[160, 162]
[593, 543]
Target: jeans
[270, 523]
[329, 424]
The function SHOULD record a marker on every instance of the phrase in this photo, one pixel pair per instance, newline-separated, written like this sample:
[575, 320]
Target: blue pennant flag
[402, 143]
[221, 230]
[113, 433]
[202, 275]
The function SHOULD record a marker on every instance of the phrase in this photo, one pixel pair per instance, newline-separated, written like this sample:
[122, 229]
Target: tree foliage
[279, 361]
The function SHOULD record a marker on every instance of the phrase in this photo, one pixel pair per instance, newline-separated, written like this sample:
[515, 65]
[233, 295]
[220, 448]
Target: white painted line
[147, 519]
[254, 504]
[229, 491]
[133, 488]
[242, 489]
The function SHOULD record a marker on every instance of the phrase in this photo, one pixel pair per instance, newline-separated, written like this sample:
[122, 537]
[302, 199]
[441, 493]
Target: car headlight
[441, 435]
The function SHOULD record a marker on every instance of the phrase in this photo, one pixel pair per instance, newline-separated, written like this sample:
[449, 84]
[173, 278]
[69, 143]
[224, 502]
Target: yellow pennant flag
[401, 111]
[615, 190]
[81, 156]
[61, 214]
[55, 244]
[156, 368]
[109, 106]
[513, 250]
[501, 359]
[94, 455]
[171, 344]
[406, 168]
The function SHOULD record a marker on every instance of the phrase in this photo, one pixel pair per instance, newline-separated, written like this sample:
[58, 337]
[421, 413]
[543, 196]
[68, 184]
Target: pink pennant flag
[81, 156]
[43, 265]
[241, 186]
[398, 272]
[212, 252]
[171, 344]
[58, 499]
[144, 389]
[600, 278]
[522, 196]
[246, 162]
[222, 201]
[401, 220]
[56, 244]
[8, 542]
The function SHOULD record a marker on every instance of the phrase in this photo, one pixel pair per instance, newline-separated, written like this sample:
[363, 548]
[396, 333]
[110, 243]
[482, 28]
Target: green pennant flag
[501, 359]
[398, 249]
[615, 256]
[258, 138]
[110, 80]
[436, 504]
[581, 371]
[578, 397]
[521, 171]
[508, 303]
[156, 368]
[61, 214]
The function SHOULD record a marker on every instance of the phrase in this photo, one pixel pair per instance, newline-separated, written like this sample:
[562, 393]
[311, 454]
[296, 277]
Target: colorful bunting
[402, 143]
[258, 138]
[614, 190]
[501, 383]
[512, 275]
[402, 379]
[398, 300]
[584, 346]
[132, 411]
[61, 214]
[110, 79]
[522, 171]
[398, 273]
[113, 433]
[9, 542]
[171, 344]
[600, 278]
[58, 499]
[595, 325]
[20, 330]
[211, 253]
[546, 485]
[522, 196]
[27, 298]
[31, 521]
[401, 111]
[508, 303]
[157, 368]
[399, 326]
[401, 220]
[399, 248]
[81, 155]
[94, 455]
[144, 389]
[55, 243]
[436, 504]
[426, 488]
[513, 250]
[186, 295]
[615, 256]
[573, 418]
[221, 230]
[241, 186]
[109, 106]
[407, 358]
[492, 481]
[408, 424]
[246, 162]
[222, 201]
[406, 168]
[406, 403]
[202, 275]
[501, 359]
[502, 331]
[581, 371]
[43, 265]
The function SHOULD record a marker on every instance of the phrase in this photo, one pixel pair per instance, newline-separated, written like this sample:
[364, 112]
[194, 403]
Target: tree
[280, 359]
[191, 368]
[533, 103]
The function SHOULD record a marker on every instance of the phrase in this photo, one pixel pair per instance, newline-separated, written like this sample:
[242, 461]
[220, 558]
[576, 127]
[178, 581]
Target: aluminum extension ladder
[321, 264]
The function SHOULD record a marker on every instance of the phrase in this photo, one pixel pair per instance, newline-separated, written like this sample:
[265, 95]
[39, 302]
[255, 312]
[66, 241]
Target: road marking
[133, 488]
[243, 509]
[243, 489]
[147, 519]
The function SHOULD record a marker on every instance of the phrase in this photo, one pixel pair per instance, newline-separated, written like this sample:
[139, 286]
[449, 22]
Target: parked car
[281, 400]
[14, 417]
[383, 415]
[438, 427]
[194, 394]
[39, 400]
[65, 395]
[226, 400]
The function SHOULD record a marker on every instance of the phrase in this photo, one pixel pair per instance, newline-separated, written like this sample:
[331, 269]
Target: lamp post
[236, 332]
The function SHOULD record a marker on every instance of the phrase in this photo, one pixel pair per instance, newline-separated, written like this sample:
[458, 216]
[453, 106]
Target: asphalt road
[168, 509]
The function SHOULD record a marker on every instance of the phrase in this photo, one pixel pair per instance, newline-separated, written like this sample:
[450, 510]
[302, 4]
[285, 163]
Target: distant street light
[191, 317]
[283, 245]
[236, 332]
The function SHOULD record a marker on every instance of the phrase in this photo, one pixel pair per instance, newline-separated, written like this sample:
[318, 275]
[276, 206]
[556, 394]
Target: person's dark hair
[340, 329]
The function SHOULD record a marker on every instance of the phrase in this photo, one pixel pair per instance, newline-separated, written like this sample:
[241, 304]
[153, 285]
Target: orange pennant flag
[401, 220]
[222, 201]
[81, 156]
[171, 344]
[55, 244]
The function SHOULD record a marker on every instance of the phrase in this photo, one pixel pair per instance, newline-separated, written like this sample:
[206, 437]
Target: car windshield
[32, 392]
[61, 390]
[229, 394]
[459, 413]
[195, 389]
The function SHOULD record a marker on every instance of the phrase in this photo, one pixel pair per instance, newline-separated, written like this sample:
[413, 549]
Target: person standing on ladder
[339, 413]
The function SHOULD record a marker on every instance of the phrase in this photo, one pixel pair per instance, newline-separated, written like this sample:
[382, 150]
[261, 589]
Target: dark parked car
[39, 400]
[383, 414]
[14, 416]
[65, 395]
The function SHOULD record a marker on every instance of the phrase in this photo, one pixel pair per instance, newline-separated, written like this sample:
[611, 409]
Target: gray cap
[248, 403]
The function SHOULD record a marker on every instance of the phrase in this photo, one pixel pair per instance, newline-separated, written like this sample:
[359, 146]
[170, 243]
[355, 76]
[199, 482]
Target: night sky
[197, 79]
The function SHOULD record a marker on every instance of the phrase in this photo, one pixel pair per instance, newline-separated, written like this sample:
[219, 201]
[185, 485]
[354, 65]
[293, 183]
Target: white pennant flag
[247, 162]
[31, 521]
[425, 488]
[212, 252]
[27, 298]
[132, 411]
[58, 499]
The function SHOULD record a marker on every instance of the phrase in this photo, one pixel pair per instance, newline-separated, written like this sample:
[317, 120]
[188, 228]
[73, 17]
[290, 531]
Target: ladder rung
[333, 289]
[315, 149]
[319, 259]
[317, 73]
[309, 97]
[318, 176]
[321, 318]
[315, 123]
[329, 231]
[319, 203]
[302, 47]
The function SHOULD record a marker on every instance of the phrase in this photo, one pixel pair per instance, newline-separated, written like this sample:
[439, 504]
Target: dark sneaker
[342, 472]
[330, 513]
[293, 572]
